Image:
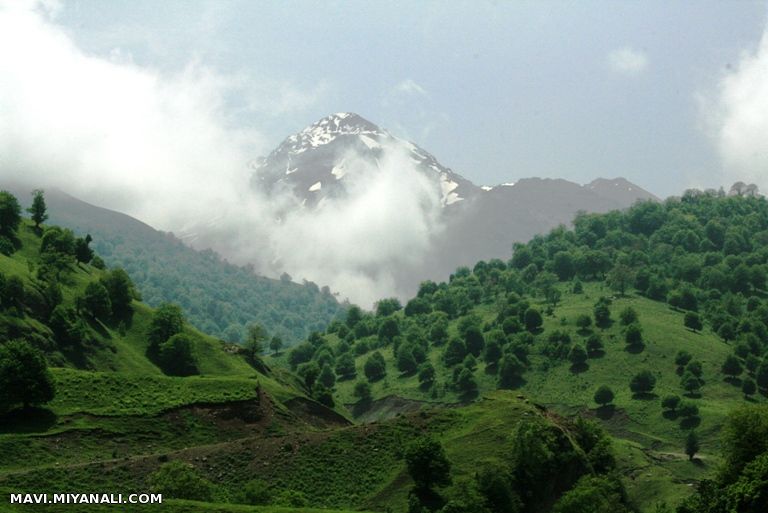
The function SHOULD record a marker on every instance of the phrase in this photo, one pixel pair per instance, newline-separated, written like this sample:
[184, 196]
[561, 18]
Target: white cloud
[410, 87]
[738, 117]
[628, 61]
[164, 148]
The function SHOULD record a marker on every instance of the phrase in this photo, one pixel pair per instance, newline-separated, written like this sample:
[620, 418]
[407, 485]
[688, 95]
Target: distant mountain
[217, 297]
[313, 163]
[313, 166]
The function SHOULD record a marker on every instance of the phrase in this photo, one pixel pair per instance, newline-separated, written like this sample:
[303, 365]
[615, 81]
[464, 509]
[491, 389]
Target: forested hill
[219, 298]
[654, 320]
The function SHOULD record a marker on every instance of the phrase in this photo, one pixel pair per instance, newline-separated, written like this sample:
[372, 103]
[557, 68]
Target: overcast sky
[496, 90]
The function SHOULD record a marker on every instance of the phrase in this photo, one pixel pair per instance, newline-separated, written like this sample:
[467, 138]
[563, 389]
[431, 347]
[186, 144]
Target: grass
[102, 393]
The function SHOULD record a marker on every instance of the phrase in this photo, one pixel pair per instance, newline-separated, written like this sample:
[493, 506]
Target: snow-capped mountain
[463, 222]
[314, 164]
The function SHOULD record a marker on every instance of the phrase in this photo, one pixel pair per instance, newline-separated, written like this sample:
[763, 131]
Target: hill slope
[218, 298]
[670, 294]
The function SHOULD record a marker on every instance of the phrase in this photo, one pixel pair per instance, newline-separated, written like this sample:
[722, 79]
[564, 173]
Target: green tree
[688, 410]
[10, 215]
[176, 355]
[510, 371]
[24, 376]
[603, 395]
[406, 363]
[633, 336]
[375, 367]
[594, 345]
[642, 383]
[761, 375]
[748, 387]
[690, 383]
[493, 348]
[121, 290]
[166, 322]
[179, 480]
[388, 306]
[455, 352]
[474, 340]
[362, 391]
[532, 319]
[38, 210]
[466, 382]
[682, 358]
[577, 356]
[584, 322]
[602, 315]
[66, 326]
[427, 464]
[670, 402]
[692, 321]
[732, 366]
[309, 372]
[275, 344]
[327, 378]
[254, 342]
[628, 316]
[691, 444]
[388, 330]
[96, 301]
[620, 278]
[345, 366]
[426, 374]
[83, 252]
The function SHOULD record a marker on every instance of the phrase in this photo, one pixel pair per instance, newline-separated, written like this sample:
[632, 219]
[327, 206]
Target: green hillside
[218, 298]
[668, 296]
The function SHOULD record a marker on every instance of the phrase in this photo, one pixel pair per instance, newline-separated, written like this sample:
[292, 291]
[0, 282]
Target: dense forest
[218, 297]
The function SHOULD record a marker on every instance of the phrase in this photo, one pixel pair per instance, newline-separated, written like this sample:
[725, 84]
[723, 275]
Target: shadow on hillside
[732, 380]
[692, 395]
[491, 368]
[645, 396]
[670, 414]
[513, 383]
[27, 420]
[690, 422]
[699, 462]
[605, 412]
[361, 407]
[469, 395]
[596, 354]
[635, 348]
[578, 368]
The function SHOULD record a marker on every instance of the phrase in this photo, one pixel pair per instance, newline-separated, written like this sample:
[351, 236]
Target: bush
[256, 493]
[178, 480]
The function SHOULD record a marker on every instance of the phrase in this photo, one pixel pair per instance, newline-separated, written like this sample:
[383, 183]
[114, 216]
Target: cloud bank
[628, 61]
[739, 118]
[166, 149]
